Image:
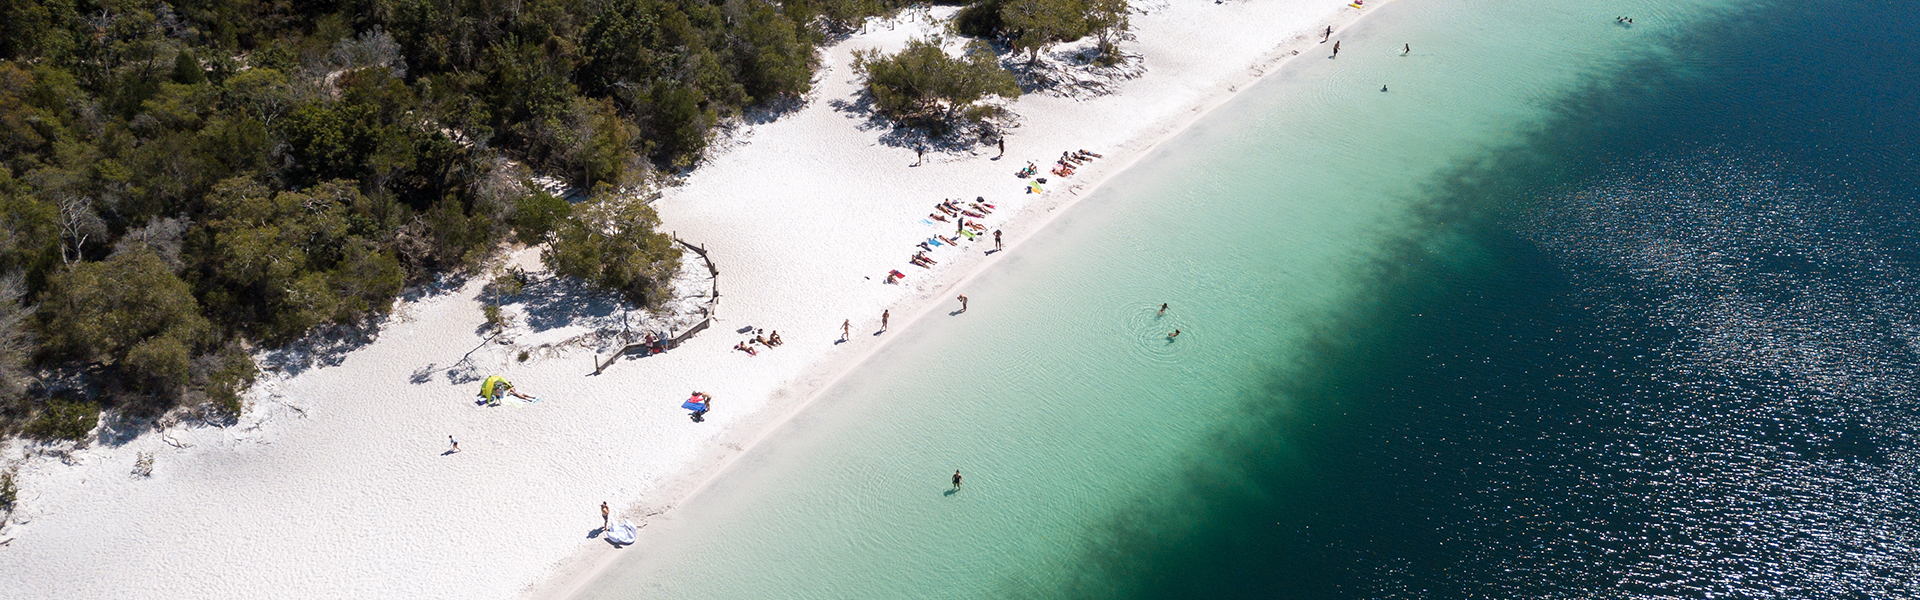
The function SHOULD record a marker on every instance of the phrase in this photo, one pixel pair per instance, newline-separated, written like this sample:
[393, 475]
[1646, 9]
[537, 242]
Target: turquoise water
[1288, 231]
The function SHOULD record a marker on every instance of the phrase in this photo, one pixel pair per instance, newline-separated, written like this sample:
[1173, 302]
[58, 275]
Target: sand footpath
[338, 482]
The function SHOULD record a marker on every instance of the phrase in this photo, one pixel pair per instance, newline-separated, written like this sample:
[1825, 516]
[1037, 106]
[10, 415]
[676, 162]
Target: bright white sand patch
[337, 484]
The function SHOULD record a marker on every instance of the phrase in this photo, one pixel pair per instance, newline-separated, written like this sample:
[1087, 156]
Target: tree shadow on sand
[1077, 73]
[554, 302]
[950, 136]
[328, 345]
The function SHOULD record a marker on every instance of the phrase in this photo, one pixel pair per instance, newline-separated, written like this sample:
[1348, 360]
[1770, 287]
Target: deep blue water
[1680, 364]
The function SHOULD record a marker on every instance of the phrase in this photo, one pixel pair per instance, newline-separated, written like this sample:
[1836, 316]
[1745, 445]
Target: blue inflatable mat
[692, 405]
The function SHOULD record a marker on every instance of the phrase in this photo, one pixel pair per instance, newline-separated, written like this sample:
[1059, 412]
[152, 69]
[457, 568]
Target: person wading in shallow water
[1336, 48]
[956, 479]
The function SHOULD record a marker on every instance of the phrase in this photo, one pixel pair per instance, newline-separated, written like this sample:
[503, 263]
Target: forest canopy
[180, 179]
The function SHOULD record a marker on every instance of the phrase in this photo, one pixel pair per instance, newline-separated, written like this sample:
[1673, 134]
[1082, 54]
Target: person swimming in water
[1163, 310]
[1175, 334]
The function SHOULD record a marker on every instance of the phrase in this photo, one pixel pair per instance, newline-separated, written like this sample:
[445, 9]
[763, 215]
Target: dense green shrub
[63, 419]
[611, 241]
[1032, 25]
[922, 84]
[536, 214]
[9, 491]
[280, 263]
[228, 374]
[129, 312]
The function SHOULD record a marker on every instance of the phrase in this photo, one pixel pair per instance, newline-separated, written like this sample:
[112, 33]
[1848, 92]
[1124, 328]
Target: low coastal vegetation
[182, 181]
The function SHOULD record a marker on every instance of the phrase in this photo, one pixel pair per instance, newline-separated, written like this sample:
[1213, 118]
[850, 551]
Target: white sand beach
[339, 480]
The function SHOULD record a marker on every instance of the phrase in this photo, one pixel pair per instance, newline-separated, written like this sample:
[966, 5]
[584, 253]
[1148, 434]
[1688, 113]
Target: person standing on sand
[846, 329]
[605, 518]
[456, 444]
[883, 319]
[1002, 142]
[963, 303]
[996, 240]
[1336, 48]
[956, 479]
[920, 152]
[1328, 36]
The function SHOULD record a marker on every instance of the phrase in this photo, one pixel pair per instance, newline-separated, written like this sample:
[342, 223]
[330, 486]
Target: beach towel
[623, 533]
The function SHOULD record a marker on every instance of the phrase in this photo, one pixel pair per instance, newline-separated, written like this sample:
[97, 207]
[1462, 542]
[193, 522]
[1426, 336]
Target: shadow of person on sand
[595, 532]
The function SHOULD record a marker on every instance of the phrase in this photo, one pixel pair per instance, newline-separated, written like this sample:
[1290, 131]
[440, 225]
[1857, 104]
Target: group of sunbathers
[769, 340]
[952, 208]
[961, 213]
[1069, 160]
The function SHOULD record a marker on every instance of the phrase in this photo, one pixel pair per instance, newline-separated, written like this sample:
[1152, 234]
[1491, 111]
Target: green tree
[612, 242]
[187, 70]
[536, 215]
[130, 312]
[280, 263]
[1037, 24]
[923, 83]
[1110, 20]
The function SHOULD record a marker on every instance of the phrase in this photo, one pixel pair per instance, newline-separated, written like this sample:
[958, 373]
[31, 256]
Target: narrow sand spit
[338, 483]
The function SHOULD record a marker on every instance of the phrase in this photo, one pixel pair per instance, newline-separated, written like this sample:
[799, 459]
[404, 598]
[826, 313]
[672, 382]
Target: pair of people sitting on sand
[769, 340]
[1078, 158]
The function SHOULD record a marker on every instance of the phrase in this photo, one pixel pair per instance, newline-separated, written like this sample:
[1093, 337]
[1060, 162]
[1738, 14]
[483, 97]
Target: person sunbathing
[774, 337]
[743, 347]
[945, 209]
[983, 208]
[1084, 152]
[977, 227]
[762, 340]
[948, 240]
[922, 257]
[937, 217]
[1029, 170]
